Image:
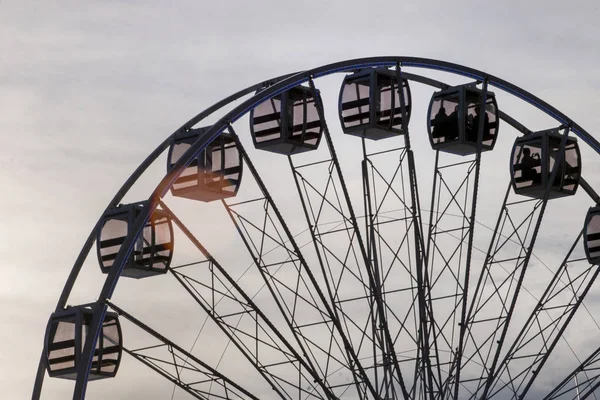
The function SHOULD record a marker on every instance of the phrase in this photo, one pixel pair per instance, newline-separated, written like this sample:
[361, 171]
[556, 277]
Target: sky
[89, 89]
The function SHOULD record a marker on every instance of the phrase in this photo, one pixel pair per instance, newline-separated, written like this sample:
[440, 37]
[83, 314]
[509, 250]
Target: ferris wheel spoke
[424, 381]
[243, 322]
[297, 291]
[289, 284]
[498, 287]
[180, 367]
[346, 266]
[337, 253]
[390, 235]
[494, 293]
[546, 324]
[449, 251]
[450, 227]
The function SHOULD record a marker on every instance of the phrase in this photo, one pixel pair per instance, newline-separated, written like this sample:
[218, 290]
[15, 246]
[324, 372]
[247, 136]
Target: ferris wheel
[386, 259]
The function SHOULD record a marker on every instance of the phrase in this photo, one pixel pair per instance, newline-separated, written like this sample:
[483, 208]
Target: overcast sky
[89, 88]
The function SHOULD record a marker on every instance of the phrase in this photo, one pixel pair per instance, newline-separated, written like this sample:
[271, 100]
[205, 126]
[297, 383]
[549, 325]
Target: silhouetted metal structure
[389, 300]
[592, 235]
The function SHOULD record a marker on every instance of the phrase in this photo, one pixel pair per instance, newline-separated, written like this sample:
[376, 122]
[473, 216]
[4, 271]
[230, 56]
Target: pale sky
[89, 88]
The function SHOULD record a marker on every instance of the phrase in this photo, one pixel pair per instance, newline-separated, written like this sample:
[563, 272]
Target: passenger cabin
[65, 337]
[369, 104]
[288, 123]
[591, 235]
[454, 121]
[214, 174]
[152, 251]
[533, 158]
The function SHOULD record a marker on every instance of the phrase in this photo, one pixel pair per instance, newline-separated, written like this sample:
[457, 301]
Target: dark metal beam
[471, 232]
[270, 337]
[513, 303]
[582, 388]
[382, 343]
[491, 345]
[339, 352]
[425, 310]
[446, 275]
[540, 334]
[201, 367]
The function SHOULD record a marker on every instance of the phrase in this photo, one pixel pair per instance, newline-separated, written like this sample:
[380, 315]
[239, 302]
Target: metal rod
[166, 341]
[558, 161]
[247, 300]
[352, 357]
[375, 286]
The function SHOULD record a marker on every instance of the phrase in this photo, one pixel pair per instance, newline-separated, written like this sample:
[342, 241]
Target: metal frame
[273, 228]
[546, 324]
[347, 264]
[277, 86]
[179, 358]
[262, 333]
[503, 295]
[582, 388]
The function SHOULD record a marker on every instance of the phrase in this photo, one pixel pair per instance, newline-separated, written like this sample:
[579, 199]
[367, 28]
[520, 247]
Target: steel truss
[546, 324]
[495, 296]
[286, 371]
[394, 237]
[497, 288]
[296, 290]
[351, 281]
[450, 227]
[388, 209]
[173, 362]
[389, 314]
[450, 238]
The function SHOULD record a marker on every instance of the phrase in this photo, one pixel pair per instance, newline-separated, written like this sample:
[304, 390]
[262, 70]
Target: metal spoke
[168, 359]
[345, 264]
[495, 296]
[253, 334]
[582, 383]
[546, 324]
[296, 290]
